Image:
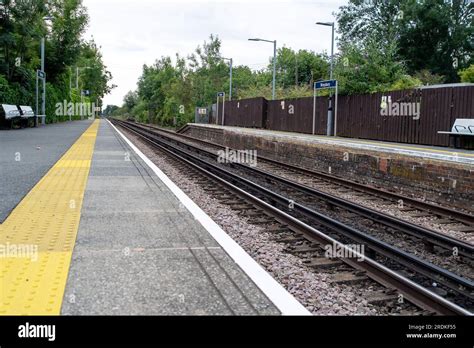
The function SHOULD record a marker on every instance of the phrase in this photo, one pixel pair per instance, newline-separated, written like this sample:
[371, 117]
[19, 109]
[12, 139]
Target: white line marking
[281, 298]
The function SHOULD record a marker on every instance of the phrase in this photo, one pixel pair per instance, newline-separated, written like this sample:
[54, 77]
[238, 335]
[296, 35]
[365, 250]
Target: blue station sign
[325, 84]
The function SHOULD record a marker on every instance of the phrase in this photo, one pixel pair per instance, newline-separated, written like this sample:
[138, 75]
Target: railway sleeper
[348, 278]
[463, 229]
[382, 297]
[420, 214]
[291, 239]
[260, 221]
[251, 212]
[446, 221]
[323, 263]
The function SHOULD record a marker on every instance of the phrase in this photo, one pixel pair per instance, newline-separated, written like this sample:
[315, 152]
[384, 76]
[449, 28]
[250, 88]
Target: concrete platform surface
[139, 251]
[27, 154]
[447, 154]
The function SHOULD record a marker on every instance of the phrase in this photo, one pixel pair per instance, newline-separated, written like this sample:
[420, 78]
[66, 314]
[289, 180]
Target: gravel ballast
[312, 288]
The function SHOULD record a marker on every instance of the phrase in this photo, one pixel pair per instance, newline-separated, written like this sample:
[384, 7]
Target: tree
[467, 75]
[367, 70]
[299, 68]
[110, 109]
[96, 77]
[64, 42]
[130, 100]
[438, 36]
[22, 26]
[362, 22]
[432, 35]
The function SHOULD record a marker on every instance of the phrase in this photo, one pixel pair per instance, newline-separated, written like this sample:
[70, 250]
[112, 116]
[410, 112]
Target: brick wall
[447, 183]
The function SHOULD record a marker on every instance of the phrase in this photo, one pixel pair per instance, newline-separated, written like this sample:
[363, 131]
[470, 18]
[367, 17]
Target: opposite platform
[446, 154]
[436, 174]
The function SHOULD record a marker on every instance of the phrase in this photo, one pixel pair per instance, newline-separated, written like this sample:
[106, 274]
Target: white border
[281, 298]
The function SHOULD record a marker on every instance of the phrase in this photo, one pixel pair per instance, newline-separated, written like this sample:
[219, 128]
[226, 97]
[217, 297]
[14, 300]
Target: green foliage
[406, 82]
[467, 75]
[437, 35]
[368, 69]
[383, 45]
[427, 78]
[299, 68]
[169, 92]
[22, 28]
[110, 110]
[430, 35]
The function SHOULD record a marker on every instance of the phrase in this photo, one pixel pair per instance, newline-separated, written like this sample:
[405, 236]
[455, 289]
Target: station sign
[325, 84]
[221, 94]
[332, 118]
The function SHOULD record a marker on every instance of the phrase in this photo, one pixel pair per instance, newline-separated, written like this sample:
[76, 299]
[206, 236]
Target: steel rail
[412, 291]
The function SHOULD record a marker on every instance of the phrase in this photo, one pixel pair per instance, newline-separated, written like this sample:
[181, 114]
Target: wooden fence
[244, 113]
[409, 116]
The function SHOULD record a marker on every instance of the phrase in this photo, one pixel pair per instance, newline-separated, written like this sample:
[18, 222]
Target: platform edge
[277, 294]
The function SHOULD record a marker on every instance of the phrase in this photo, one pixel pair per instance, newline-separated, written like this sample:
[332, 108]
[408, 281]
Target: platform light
[330, 113]
[274, 62]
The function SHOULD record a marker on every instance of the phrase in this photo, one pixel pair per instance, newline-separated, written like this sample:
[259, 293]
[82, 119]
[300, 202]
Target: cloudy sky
[133, 33]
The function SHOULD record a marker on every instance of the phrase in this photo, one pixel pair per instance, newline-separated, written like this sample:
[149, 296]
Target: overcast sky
[133, 33]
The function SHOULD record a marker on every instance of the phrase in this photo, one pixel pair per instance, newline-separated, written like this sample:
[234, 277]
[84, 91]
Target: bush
[406, 82]
[467, 75]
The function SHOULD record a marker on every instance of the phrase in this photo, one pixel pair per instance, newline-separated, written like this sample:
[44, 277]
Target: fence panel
[296, 115]
[244, 113]
[411, 116]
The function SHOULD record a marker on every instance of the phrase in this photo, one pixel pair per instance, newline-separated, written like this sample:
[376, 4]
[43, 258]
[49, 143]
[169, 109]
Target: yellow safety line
[37, 239]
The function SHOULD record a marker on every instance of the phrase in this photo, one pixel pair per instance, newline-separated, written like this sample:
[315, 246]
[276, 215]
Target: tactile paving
[37, 239]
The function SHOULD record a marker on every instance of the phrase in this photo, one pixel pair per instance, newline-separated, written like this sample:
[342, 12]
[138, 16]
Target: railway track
[430, 238]
[324, 230]
[446, 216]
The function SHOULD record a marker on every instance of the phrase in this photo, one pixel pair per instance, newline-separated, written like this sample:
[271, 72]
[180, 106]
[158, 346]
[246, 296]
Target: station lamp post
[43, 99]
[230, 84]
[78, 69]
[274, 62]
[77, 74]
[330, 113]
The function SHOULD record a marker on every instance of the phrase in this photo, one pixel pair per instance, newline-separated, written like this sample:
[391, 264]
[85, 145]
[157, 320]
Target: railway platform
[437, 174]
[98, 229]
[27, 154]
[459, 156]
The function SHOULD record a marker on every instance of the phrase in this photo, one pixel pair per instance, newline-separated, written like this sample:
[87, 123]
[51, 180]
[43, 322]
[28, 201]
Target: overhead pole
[230, 84]
[230, 75]
[274, 63]
[330, 123]
[43, 101]
[274, 68]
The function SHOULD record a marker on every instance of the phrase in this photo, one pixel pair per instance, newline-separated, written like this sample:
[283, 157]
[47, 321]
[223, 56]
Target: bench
[8, 113]
[19, 115]
[27, 113]
[462, 133]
